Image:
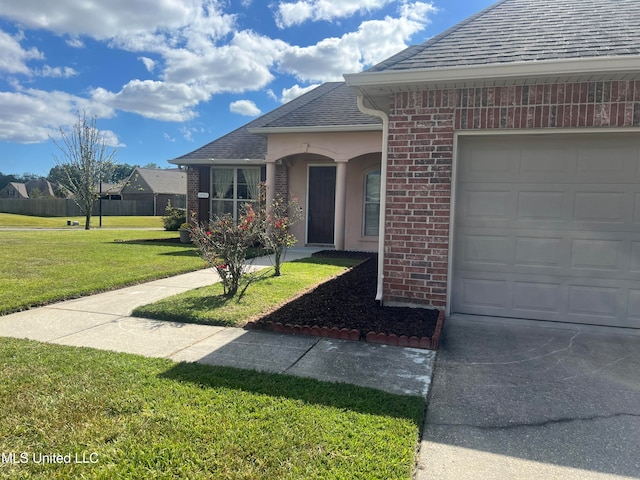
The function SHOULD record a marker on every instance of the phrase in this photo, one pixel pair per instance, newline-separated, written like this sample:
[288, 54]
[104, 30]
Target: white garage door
[548, 227]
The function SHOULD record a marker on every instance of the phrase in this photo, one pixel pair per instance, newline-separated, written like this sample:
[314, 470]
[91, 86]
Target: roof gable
[528, 31]
[42, 186]
[330, 104]
[19, 188]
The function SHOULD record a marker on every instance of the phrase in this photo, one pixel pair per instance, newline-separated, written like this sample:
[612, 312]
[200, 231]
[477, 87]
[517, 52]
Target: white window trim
[365, 203]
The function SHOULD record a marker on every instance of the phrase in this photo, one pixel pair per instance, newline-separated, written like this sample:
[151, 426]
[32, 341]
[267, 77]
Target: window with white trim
[371, 204]
[232, 187]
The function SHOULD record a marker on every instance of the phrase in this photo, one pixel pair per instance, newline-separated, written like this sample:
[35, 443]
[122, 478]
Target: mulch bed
[345, 307]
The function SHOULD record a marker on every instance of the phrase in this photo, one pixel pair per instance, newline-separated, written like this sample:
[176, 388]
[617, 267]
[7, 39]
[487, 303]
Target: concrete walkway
[103, 321]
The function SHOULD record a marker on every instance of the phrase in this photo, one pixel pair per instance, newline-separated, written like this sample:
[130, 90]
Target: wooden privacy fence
[60, 207]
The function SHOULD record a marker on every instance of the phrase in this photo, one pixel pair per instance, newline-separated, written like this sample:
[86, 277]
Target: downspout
[383, 190]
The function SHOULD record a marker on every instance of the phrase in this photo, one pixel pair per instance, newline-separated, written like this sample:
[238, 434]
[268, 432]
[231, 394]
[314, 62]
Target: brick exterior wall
[282, 180]
[421, 136]
[193, 185]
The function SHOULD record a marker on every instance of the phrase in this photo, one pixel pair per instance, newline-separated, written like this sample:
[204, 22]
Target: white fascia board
[628, 64]
[319, 129]
[219, 161]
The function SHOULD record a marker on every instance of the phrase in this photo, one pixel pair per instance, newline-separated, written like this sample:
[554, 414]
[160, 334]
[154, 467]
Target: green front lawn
[42, 266]
[10, 220]
[137, 417]
[208, 306]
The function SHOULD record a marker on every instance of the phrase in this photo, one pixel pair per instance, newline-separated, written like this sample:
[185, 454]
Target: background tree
[85, 161]
[6, 180]
[58, 178]
[152, 165]
[121, 172]
[24, 178]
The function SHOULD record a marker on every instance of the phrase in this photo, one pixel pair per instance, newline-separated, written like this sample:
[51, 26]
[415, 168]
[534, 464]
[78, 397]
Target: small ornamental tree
[85, 162]
[275, 234]
[223, 244]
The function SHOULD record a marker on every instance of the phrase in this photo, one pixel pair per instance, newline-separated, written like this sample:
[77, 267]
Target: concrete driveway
[529, 400]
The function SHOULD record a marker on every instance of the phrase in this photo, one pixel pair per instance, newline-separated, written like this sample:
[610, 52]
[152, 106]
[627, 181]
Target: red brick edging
[345, 334]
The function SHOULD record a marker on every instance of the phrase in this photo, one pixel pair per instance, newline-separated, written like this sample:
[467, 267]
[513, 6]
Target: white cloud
[244, 107]
[56, 72]
[14, 58]
[295, 13]
[111, 139]
[168, 137]
[75, 42]
[32, 116]
[374, 41]
[289, 94]
[240, 66]
[105, 20]
[153, 99]
[194, 51]
[187, 132]
[148, 63]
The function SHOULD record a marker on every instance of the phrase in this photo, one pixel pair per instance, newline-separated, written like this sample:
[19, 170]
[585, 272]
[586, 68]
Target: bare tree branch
[85, 160]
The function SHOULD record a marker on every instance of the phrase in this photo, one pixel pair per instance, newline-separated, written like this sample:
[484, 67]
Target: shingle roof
[44, 187]
[172, 181]
[20, 188]
[529, 30]
[337, 106]
[330, 104]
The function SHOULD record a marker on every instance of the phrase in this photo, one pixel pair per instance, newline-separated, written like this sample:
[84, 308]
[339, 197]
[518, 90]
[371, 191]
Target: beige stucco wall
[338, 146]
[354, 221]
[361, 151]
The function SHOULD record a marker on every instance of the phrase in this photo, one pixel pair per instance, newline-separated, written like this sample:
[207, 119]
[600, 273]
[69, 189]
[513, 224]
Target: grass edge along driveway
[137, 417]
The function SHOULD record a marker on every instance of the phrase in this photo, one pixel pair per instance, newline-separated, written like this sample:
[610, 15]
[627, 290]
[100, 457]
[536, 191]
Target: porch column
[341, 203]
[271, 183]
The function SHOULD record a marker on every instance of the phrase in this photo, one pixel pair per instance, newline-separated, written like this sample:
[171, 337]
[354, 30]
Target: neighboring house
[14, 190]
[509, 148]
[159, 186]
[40, 188]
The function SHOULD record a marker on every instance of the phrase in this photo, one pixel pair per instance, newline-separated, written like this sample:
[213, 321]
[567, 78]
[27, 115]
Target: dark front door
[322, 201]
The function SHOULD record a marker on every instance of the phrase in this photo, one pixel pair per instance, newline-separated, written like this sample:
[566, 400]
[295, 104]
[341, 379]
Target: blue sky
[164, 77]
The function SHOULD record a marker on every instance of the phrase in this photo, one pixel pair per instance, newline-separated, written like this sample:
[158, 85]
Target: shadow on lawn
[336, 395]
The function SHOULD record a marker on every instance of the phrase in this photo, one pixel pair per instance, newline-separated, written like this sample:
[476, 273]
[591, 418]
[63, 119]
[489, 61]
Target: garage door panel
[537, 298]
[487, 164]
[542, 205]
[636, 209]
[633, 306]
[484, 294]
[634, 259]
[556, 235]
[596, 254]
[600, 207]
[486, 250]
[607, 161]
[538, 252]
[607, 255]
[559, 162]
[600, 301]
[488, 205]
